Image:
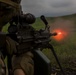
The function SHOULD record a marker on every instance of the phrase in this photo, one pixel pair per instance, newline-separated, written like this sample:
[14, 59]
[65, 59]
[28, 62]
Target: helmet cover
[8, 9]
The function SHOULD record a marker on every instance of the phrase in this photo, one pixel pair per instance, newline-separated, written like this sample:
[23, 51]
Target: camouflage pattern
[24, 62]
[8, 8]
[23, 59]
[14, 3]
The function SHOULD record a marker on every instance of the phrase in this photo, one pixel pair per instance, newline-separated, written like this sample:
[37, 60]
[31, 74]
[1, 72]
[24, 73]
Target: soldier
[23, 63]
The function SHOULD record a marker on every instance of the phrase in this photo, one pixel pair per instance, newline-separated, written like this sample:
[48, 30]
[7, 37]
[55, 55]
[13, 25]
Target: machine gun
[37, 40]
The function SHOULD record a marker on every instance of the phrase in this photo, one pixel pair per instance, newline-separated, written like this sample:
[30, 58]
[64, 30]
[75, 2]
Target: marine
[23, 63]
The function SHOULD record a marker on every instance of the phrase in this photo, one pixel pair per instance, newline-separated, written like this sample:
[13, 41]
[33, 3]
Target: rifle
[39, 39]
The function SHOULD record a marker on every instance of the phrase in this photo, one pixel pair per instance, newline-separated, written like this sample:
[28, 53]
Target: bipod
[55, 55]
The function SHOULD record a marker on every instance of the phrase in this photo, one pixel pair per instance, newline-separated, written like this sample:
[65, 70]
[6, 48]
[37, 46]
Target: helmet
[14, 3]
[8, 9]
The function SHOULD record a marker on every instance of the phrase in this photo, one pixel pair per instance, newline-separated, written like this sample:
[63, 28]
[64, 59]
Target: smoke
[65, 25]
[61, 23]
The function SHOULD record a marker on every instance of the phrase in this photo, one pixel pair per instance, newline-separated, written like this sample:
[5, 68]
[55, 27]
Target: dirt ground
[67, 71]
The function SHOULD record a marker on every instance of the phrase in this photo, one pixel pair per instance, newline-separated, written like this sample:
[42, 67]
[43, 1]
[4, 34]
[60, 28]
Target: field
[65, 48]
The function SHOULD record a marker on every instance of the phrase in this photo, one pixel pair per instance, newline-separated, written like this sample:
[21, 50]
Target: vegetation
[65, 49]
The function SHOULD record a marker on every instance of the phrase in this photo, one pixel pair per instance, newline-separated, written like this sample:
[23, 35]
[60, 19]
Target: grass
[65, 50]
[38, 24]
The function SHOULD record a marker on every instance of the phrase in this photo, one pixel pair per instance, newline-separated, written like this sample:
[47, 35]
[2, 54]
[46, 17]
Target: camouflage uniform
[8, 9]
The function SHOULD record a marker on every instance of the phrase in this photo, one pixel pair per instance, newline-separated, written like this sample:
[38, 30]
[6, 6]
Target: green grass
[65, 50]
[38, 24]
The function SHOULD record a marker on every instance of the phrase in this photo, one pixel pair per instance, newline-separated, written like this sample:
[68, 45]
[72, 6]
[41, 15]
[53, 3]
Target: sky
[49, 7]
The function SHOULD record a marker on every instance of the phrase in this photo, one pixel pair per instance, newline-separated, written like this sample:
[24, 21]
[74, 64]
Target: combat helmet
[14, 3]
[8, 9]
